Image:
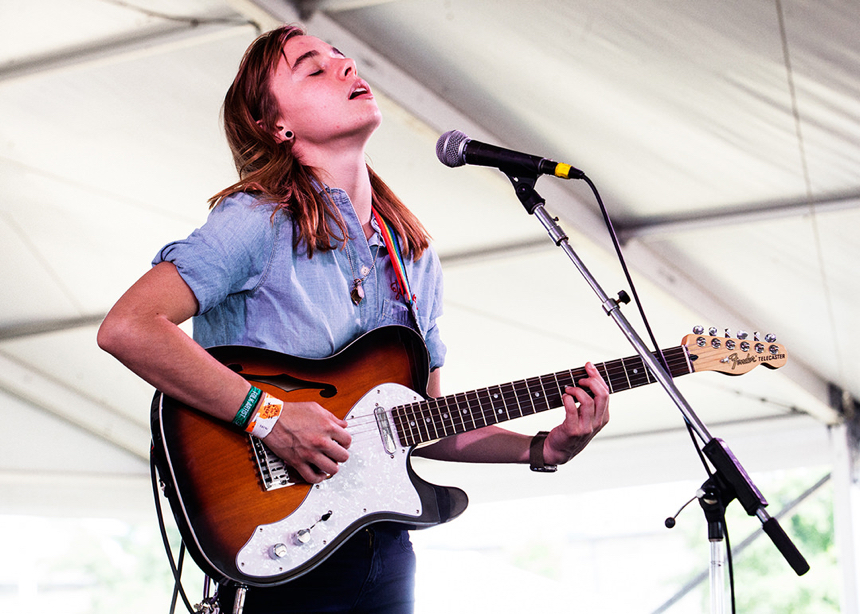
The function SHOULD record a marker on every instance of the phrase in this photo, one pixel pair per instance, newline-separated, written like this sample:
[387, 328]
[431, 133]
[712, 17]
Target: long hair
[269, 169]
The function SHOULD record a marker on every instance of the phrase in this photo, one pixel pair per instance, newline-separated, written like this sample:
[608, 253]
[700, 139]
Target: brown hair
[268, 168]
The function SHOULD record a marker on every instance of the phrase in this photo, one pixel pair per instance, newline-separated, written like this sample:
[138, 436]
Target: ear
[279, 133]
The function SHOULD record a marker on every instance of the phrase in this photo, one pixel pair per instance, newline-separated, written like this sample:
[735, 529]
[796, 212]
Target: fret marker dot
[500, 411]
[496, 396]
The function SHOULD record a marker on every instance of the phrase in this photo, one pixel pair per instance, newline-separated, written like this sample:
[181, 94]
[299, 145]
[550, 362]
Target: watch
[536, 462]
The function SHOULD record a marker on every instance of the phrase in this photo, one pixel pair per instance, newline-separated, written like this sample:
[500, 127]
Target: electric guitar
[248, 518]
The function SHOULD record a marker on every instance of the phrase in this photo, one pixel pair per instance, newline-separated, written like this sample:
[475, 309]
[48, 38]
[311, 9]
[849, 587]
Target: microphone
[456, 149]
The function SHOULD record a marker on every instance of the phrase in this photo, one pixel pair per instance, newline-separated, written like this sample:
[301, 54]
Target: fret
[525, 406]
[626, 374]
[404, 430]
[617, 375]
[484, 400]
[547, 398]
[470, 419]
[410, 432]
[461, 405]
[637, 374]
[605, 376]
[444, 420]
[551, 393]
[536, 395]
[400, 425]
[570, 379]
[459, 413]
[424, 418]
[511, 402]
[497, 403]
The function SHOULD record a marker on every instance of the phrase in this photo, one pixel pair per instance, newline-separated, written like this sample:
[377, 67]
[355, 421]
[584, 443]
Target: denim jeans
[372, 572]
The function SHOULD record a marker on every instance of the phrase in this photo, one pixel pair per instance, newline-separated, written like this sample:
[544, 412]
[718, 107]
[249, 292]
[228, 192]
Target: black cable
[729, 563]
[658, 351]
[176, 585]
[623, 263]
[177, 576]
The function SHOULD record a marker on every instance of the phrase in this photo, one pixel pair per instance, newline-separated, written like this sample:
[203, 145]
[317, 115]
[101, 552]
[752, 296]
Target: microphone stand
[729, 479]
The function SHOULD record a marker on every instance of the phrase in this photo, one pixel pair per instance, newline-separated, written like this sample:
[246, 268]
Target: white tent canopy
[724, 139]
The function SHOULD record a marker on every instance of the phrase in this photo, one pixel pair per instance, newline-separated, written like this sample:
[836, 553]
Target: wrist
[246, 411]
[537, 460]
[265, 417]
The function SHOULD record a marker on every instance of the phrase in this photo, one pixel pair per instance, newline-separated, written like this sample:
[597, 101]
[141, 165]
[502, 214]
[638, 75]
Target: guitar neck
[433, 419]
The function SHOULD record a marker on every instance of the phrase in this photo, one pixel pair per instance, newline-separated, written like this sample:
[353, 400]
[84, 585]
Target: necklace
[357, 292]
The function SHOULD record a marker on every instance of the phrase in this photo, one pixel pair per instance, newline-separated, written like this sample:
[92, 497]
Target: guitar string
[509, 396]
[510, 400]
[615, 373]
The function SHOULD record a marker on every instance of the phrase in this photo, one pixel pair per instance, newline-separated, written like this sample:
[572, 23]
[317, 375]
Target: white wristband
[267, 414]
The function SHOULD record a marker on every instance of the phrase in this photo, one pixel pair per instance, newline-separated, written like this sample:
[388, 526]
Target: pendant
[357, 293]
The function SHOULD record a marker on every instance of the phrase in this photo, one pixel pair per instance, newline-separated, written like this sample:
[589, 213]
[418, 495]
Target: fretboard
[442, 417]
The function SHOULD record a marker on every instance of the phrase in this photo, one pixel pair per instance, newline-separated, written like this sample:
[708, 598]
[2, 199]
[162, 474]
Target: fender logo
[735, 360]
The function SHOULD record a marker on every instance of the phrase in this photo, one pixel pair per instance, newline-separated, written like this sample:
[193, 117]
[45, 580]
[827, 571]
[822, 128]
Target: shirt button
[365, 270]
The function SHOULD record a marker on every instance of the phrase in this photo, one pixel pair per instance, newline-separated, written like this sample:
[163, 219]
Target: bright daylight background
[603, 551]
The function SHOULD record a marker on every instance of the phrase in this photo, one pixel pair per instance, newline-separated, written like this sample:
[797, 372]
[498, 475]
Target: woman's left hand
[586, 408]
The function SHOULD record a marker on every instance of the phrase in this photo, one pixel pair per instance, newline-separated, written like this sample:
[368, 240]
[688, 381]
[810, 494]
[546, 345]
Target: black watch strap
[536, 462]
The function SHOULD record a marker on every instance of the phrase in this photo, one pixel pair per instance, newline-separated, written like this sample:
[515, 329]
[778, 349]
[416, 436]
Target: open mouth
[360, 90]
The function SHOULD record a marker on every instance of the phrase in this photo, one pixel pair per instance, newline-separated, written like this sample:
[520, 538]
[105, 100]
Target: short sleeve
[229, 254]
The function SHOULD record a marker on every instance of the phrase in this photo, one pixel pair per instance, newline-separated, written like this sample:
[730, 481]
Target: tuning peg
[712, 331]
[770, 338]
[742, 334]
[755, 336]
[728, 333]
[698, 329]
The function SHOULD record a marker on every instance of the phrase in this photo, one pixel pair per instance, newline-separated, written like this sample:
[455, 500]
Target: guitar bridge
[274, 472]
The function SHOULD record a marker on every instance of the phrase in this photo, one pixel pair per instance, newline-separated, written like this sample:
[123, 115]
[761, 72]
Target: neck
[347, 171]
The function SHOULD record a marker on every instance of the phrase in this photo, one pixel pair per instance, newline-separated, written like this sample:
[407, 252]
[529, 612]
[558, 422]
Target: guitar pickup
[384, 427]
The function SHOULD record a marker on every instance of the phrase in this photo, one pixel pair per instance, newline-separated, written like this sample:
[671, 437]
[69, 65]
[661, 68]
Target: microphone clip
[524, 187]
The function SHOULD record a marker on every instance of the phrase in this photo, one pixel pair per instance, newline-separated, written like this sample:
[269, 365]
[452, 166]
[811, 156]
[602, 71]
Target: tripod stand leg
[717, 577]
[239, 603]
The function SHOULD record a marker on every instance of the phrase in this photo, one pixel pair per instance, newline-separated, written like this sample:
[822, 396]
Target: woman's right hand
[310, 439]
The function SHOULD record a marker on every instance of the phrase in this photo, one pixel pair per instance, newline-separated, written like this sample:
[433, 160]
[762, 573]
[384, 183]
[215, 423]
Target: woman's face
[320, 97]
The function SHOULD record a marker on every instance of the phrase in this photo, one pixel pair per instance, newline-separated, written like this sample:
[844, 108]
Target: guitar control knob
[278, 551]
[302, 536]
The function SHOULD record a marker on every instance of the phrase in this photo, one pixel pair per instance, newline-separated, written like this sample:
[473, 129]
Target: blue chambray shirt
[255, 289]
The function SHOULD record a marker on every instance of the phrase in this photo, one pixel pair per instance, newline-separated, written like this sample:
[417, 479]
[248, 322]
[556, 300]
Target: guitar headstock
[733, 355]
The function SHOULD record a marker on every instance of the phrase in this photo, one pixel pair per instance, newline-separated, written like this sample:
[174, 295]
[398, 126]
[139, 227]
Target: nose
[348, 68]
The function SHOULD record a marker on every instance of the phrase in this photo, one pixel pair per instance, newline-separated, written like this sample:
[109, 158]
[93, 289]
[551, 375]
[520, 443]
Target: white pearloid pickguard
[372, 482]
